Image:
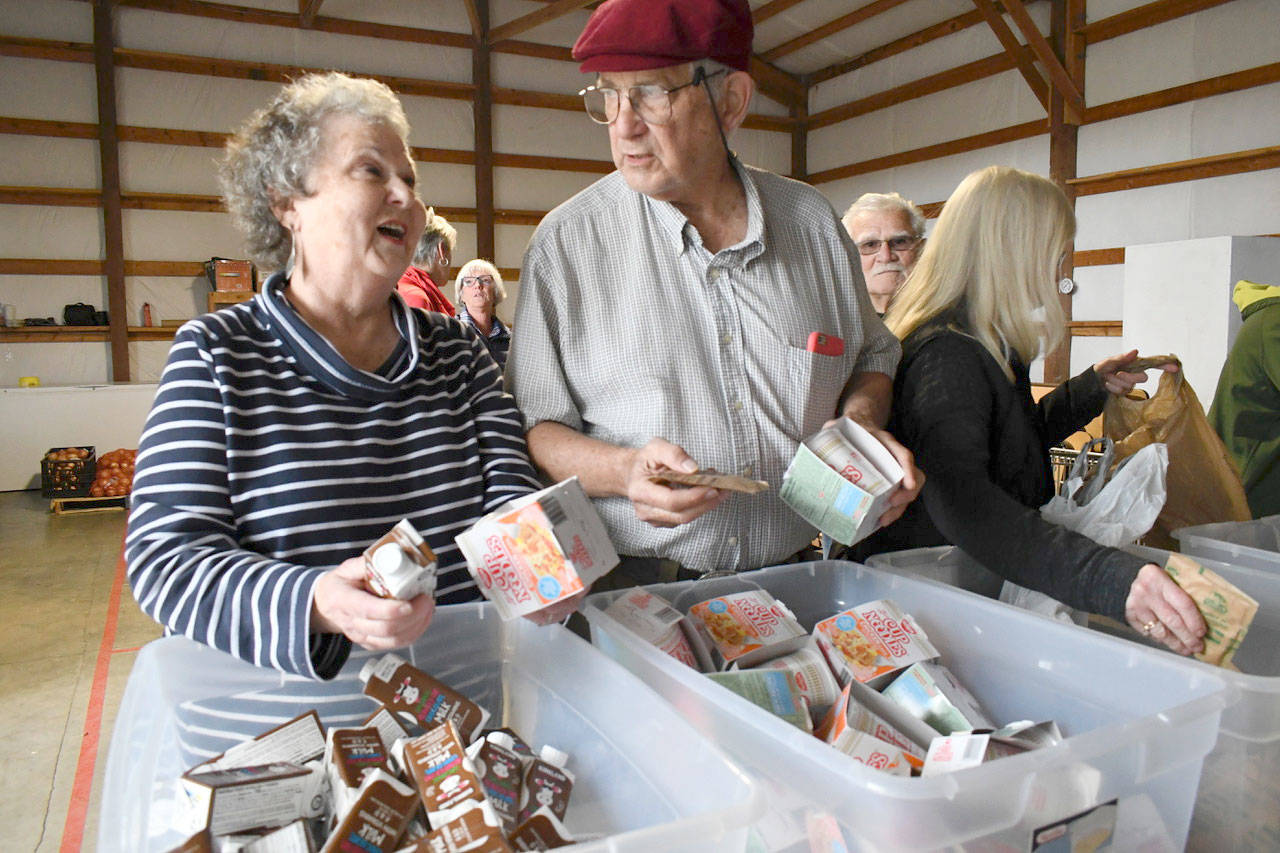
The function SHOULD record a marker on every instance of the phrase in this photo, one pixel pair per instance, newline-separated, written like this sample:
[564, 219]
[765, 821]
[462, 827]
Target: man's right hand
[664, 506]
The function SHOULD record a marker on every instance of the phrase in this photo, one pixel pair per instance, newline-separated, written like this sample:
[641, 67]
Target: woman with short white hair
[978, 308]
[480, 290]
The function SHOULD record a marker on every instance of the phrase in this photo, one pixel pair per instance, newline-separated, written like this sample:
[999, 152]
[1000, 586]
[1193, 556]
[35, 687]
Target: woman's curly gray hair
[270, 157]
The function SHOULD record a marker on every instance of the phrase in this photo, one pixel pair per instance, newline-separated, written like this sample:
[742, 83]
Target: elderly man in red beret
[687, 311]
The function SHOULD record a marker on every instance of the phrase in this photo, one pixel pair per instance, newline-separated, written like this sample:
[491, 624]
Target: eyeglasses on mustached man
[901, 243]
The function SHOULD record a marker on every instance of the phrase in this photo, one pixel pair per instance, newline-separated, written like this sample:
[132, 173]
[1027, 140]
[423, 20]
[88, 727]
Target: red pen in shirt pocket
[824, 344]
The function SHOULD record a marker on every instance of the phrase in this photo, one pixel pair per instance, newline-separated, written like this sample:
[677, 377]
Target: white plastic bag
[1124, 508]
[1111, 511]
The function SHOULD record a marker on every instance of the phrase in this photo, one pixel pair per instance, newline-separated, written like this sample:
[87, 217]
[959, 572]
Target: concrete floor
[68, 639]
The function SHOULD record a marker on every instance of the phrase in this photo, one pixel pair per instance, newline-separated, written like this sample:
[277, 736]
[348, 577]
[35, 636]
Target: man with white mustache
[889, 233]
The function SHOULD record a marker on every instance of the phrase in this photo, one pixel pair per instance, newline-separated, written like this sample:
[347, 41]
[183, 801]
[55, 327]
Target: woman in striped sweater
[291, 431]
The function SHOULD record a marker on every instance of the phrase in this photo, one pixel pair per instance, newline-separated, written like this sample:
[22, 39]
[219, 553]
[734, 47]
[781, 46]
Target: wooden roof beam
[1021, 58]
[1214, 166]
[307, 12]
[1039, 45]
[893, 48]
[786, 89]
[838, 25]
[774, 7]
[473, 15]
[1142, 17]
[558, 9]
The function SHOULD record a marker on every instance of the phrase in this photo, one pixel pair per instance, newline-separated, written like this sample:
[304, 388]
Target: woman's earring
[293, 255]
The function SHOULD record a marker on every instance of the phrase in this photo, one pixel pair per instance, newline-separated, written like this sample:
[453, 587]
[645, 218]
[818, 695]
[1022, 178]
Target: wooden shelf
[80, 334]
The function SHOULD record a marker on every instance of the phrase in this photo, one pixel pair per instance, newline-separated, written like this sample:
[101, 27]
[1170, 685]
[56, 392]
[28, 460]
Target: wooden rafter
[192, 203]
[558, 9]
[110, 198]
[149, 269]
[1120, 24]
[774, 7]
[967, 73]
[1019, 54]
[1233, 82]
[265, 17]
[774, 83]
[1215, 166]
[482, 136]
[308, 10]
[893, 48]
[473, 15]
[1067, 52]
[826, 30]
[214, 139]
[1142, 17]
[977, 141]
[782, 87]
[1039, 45]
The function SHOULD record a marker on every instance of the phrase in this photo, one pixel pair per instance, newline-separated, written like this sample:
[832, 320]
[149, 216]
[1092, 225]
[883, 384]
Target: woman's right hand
[1160, 609]
[342, 605]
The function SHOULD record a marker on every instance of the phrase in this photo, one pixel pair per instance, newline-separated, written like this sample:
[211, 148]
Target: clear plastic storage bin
[1137, 724]
[1238, 807]
[643, 776]
[1247, 544]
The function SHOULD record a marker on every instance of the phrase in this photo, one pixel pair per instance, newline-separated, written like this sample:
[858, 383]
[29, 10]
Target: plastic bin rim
[1082, 746]
[1193, 530]
[1237, 682]
[710, 826]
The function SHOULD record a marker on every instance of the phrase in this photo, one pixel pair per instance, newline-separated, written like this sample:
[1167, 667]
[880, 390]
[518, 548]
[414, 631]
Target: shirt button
[713, 273]
[748, 471]
[732, 540]
[727, 338]
[737, 405]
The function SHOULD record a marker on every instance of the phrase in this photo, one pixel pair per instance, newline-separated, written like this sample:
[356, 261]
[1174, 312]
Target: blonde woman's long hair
[996, 250]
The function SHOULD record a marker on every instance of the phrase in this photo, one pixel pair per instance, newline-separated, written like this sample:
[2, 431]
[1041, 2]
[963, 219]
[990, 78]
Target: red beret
[636, 35]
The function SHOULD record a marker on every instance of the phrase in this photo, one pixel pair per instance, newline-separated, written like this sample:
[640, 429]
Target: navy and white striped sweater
[268, 459]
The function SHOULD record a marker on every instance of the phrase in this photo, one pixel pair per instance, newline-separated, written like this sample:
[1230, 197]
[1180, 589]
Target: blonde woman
[975, 312]
[480, 289]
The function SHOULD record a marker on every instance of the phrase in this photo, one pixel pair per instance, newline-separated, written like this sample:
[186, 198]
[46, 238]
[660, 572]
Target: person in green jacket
[1246, 407]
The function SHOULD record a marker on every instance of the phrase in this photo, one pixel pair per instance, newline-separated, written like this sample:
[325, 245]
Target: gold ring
[1146, 628]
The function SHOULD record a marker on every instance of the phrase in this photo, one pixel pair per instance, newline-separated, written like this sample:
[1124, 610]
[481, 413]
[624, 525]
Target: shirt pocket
[805, 386]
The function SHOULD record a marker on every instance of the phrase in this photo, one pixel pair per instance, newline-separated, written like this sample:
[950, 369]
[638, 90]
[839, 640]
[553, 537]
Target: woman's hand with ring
[1160, 609]
[342, 605]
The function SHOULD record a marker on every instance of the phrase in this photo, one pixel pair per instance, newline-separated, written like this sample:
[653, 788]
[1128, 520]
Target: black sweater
[983, 444]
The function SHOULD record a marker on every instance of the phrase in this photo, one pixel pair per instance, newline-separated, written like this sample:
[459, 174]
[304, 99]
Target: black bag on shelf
[101, 318]
[78, 314]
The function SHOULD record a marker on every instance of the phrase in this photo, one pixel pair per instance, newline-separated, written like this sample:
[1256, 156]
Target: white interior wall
[1217, 41]
[65, 91]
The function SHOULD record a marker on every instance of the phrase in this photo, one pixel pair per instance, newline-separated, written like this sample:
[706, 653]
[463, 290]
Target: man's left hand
[912, 477]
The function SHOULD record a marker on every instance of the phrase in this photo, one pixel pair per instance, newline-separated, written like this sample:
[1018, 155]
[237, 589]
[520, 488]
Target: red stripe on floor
[82, 787]
[123, 651]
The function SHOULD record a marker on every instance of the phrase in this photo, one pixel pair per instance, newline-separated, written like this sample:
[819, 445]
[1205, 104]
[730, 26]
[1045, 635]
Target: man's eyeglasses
[476, 281]
[900, 243]
[651, 102]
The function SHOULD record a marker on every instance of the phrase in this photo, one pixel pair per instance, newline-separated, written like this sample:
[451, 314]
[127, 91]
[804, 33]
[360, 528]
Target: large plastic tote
[1247, 544]
[1138, 724]
[1238, 806]
[644, 777]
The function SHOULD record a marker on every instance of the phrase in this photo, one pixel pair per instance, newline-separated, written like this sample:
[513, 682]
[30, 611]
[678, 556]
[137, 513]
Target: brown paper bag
[1204, 485]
